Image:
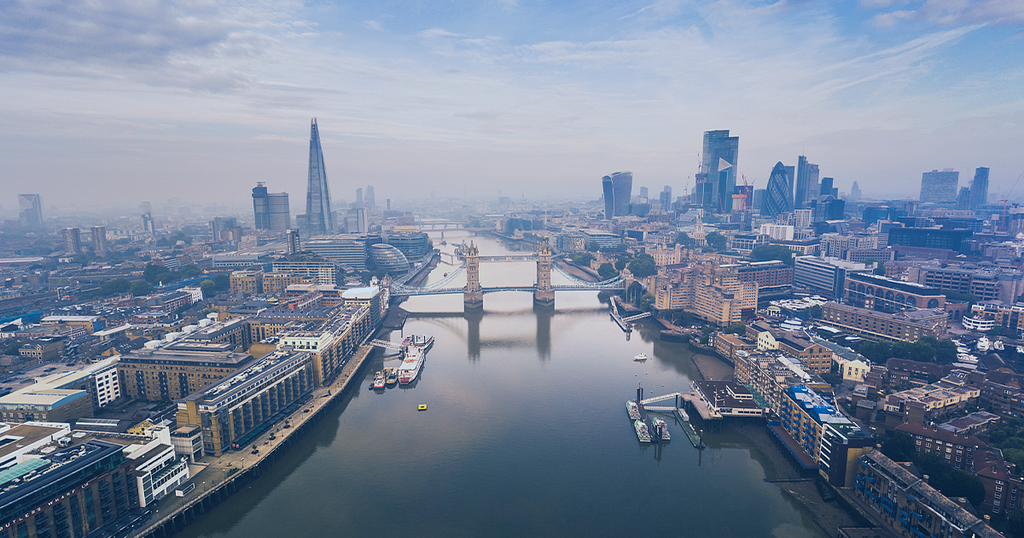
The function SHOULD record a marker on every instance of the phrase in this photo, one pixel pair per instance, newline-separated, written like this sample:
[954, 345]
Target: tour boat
[633, 409]
[660, 426]
[983, 344]
[641, 431]
[411, 366]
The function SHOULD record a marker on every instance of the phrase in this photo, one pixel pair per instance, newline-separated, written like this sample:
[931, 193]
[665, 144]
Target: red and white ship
[415, 352]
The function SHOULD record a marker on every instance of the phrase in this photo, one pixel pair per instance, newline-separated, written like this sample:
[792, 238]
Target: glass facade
[941, 186]
[778, 196]
[718, 165]
[318, 219]
[618, 189]
[389, 259]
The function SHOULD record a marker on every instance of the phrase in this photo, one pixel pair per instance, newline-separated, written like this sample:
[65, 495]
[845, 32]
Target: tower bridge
[473, 293]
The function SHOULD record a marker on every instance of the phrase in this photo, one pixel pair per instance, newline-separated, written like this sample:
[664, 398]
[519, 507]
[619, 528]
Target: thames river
[525, 434]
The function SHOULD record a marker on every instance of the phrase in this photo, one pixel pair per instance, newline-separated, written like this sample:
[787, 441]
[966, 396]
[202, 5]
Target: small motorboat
[640, 358]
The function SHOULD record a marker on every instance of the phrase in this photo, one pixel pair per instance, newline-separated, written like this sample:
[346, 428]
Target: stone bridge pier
[473, 297]
[544, 295]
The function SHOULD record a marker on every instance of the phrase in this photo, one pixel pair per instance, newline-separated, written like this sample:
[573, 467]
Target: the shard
[318, 219]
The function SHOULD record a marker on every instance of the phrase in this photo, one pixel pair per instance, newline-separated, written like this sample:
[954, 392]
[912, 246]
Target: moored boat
[411, 365]
[640, 358]
[661, 428]
[378, 380]
[641, 431]
[633, 410]
[391, 378]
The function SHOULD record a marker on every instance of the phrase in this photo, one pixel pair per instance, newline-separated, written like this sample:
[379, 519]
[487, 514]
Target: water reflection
[544, 315]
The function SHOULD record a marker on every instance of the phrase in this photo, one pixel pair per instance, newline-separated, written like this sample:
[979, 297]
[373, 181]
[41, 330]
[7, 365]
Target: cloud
[373, 25]
[953, 12]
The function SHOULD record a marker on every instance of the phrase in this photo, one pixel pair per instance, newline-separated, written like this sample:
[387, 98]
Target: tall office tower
[318, 219]
[609, 197]
[359, 197]
[261, 206]
[778, 196]
[643, 194]
[855, 193]
[757, 202]
[31, 210]
[146, 207]
[622, 186]
[979, 188]
[827, 188]
[665, 197]
[806, 182]
[99, 240]
[371, 200]
[72, 240]
[939, 186]
[355, 221]
[963, 200]
[147, 223]
[280, 211]
[718, 164]
[294, 246]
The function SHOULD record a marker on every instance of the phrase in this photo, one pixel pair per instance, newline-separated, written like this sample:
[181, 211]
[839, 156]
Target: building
[665, 198]
[618, 191]
[718, 168]
[835, 245]
[99, 241]
[713, 293]
[770, 373]
[728, 399]
[939, 186]
[275, 284]
[874, 292]
[956, 450]
[778, 196]
[45, 349]
[813, 355]
[316, 267]
[319, 218]
[928, 403]
[355, 221]
[823, 275]
[351, 250]
[293, 241]
[908, 326]
[162, 375]
[986, 282]
[833, 441]
[30, 210]
[602, 238]
[73, 241]
[72, 491]
[908, 505]
[414, 245]
[987, 315]
[933, 238]
[271, 209]
[158, 469]
[777, 232]
[246, 282]
[331, 343]
[806, 183]
[979, 188]
[188, 442]
[233, 411]
[21, 439]
[389, 259]
[772, 276]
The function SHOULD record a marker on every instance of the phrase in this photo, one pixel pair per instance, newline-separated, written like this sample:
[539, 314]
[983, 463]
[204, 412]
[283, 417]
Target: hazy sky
[199, 99]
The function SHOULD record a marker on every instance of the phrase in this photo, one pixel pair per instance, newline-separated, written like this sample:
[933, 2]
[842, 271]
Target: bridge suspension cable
[610, 283]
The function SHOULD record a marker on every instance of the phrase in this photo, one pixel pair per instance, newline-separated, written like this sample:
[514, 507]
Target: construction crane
[1002, 220]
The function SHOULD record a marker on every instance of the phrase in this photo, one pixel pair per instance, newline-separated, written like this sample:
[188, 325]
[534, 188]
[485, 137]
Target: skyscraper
[665, 197]
[827, 188]
[99, 240]
[292, 239]
[609, 197]
[718, 165]
[963, 200]
[271, 209]
[370, 199]
[939, 186]
[778, 196]
[318, 219]
[855, 193]
[806, 182]
[261, 206]
[643, 195]
[31, 210]
[618, 189]
[979, 188]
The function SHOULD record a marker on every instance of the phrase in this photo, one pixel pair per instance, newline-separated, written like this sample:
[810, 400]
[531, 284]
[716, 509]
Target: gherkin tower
[778, 196]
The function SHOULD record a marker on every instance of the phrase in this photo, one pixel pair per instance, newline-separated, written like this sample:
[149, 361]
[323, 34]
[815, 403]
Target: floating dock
[626, 326]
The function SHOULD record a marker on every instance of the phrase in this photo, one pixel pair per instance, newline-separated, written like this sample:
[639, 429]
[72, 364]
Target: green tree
[736, 328]
[141, 287]
[772, 252]
[190, 271]
[646, 301]
[606, 271]
[621, 262]
[832, 379]
[716, 241]
[1015, 523]
[814, 312]
[114, 287]
[682, 238]
[582, 258]
[223, 282]
[642, 268]
[880, 269]
[900, 447]
[592, 246]
[209, 288]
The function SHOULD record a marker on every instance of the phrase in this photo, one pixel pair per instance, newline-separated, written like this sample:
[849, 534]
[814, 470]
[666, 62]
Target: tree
[606, 271]
[642, 268]
[814, 312]
[832, 379]
[141, 287]
[736, 328]
[1015, 524]
[880, 269]
[646, 301]
[621, 262]
[772, 252]
[900, 447]
[593, 246]
[685, 240]
[209, 288]
[223, 283]
[716, 241]
[582, 258]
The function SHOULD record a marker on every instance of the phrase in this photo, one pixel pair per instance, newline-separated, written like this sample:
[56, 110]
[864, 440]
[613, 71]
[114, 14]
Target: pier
[220, 477]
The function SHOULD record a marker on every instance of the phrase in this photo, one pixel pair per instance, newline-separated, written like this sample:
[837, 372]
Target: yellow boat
[422, 407]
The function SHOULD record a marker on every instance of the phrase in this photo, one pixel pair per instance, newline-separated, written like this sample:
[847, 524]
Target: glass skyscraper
[718, 166]
[618, 189]
[806, 182]
[941, 186]
[609, 197]
[979, 188]
[778, 196]
[318, 219]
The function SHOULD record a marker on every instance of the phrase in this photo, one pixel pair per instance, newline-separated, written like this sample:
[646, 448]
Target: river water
[526, 434]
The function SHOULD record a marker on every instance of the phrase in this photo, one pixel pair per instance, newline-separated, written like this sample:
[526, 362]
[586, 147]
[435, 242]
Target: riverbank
[220, 477]
[712, 368]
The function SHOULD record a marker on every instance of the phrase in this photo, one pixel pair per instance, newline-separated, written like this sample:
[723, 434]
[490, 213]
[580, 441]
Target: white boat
[966, 358]
[640, 358]
[641, 431]
[411, 365]
[983, 344]
[660, 426]
[998, 345]
[1020, 349]
[633, 410]
[962, 349]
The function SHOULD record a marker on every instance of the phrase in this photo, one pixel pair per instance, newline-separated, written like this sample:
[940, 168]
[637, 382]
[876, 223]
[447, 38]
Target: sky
[109, 103]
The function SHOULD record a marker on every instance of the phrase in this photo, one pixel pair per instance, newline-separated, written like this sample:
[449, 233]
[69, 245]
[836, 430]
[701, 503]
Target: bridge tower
[544, 295]
[473, 297]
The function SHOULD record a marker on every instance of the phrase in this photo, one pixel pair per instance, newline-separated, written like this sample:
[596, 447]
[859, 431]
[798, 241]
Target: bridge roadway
[409, 292]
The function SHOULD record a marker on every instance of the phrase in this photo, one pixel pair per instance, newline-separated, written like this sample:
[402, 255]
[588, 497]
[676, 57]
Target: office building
[246, 282]
[823, 275]
[618, 191]
[979, 188]
[665, 198]
[986, 282]
[772, 276]
[319, 218]
[355, 221]
[778, 196]
[933, 238]
[370, 200]
[31, 210]
[806, 182]
[941, 186]
[351, 250]
[225, 229]
[271, 209]
[294, 244]
[390, 259]
[73, 241]
[414, 245]
[874, 292]
[235, 409]
[718, 166]
[777, 232]
[276, 284]
[827, 188]
[855, 193]
[323, 271]
[908, 326]
[162, 375]
[99, 241]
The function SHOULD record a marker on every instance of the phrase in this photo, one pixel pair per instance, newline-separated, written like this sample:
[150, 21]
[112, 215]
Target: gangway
[386, 344]
[636, 317]
[661, 398]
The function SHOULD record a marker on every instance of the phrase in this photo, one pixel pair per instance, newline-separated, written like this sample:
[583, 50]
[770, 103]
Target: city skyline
[543, 98]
